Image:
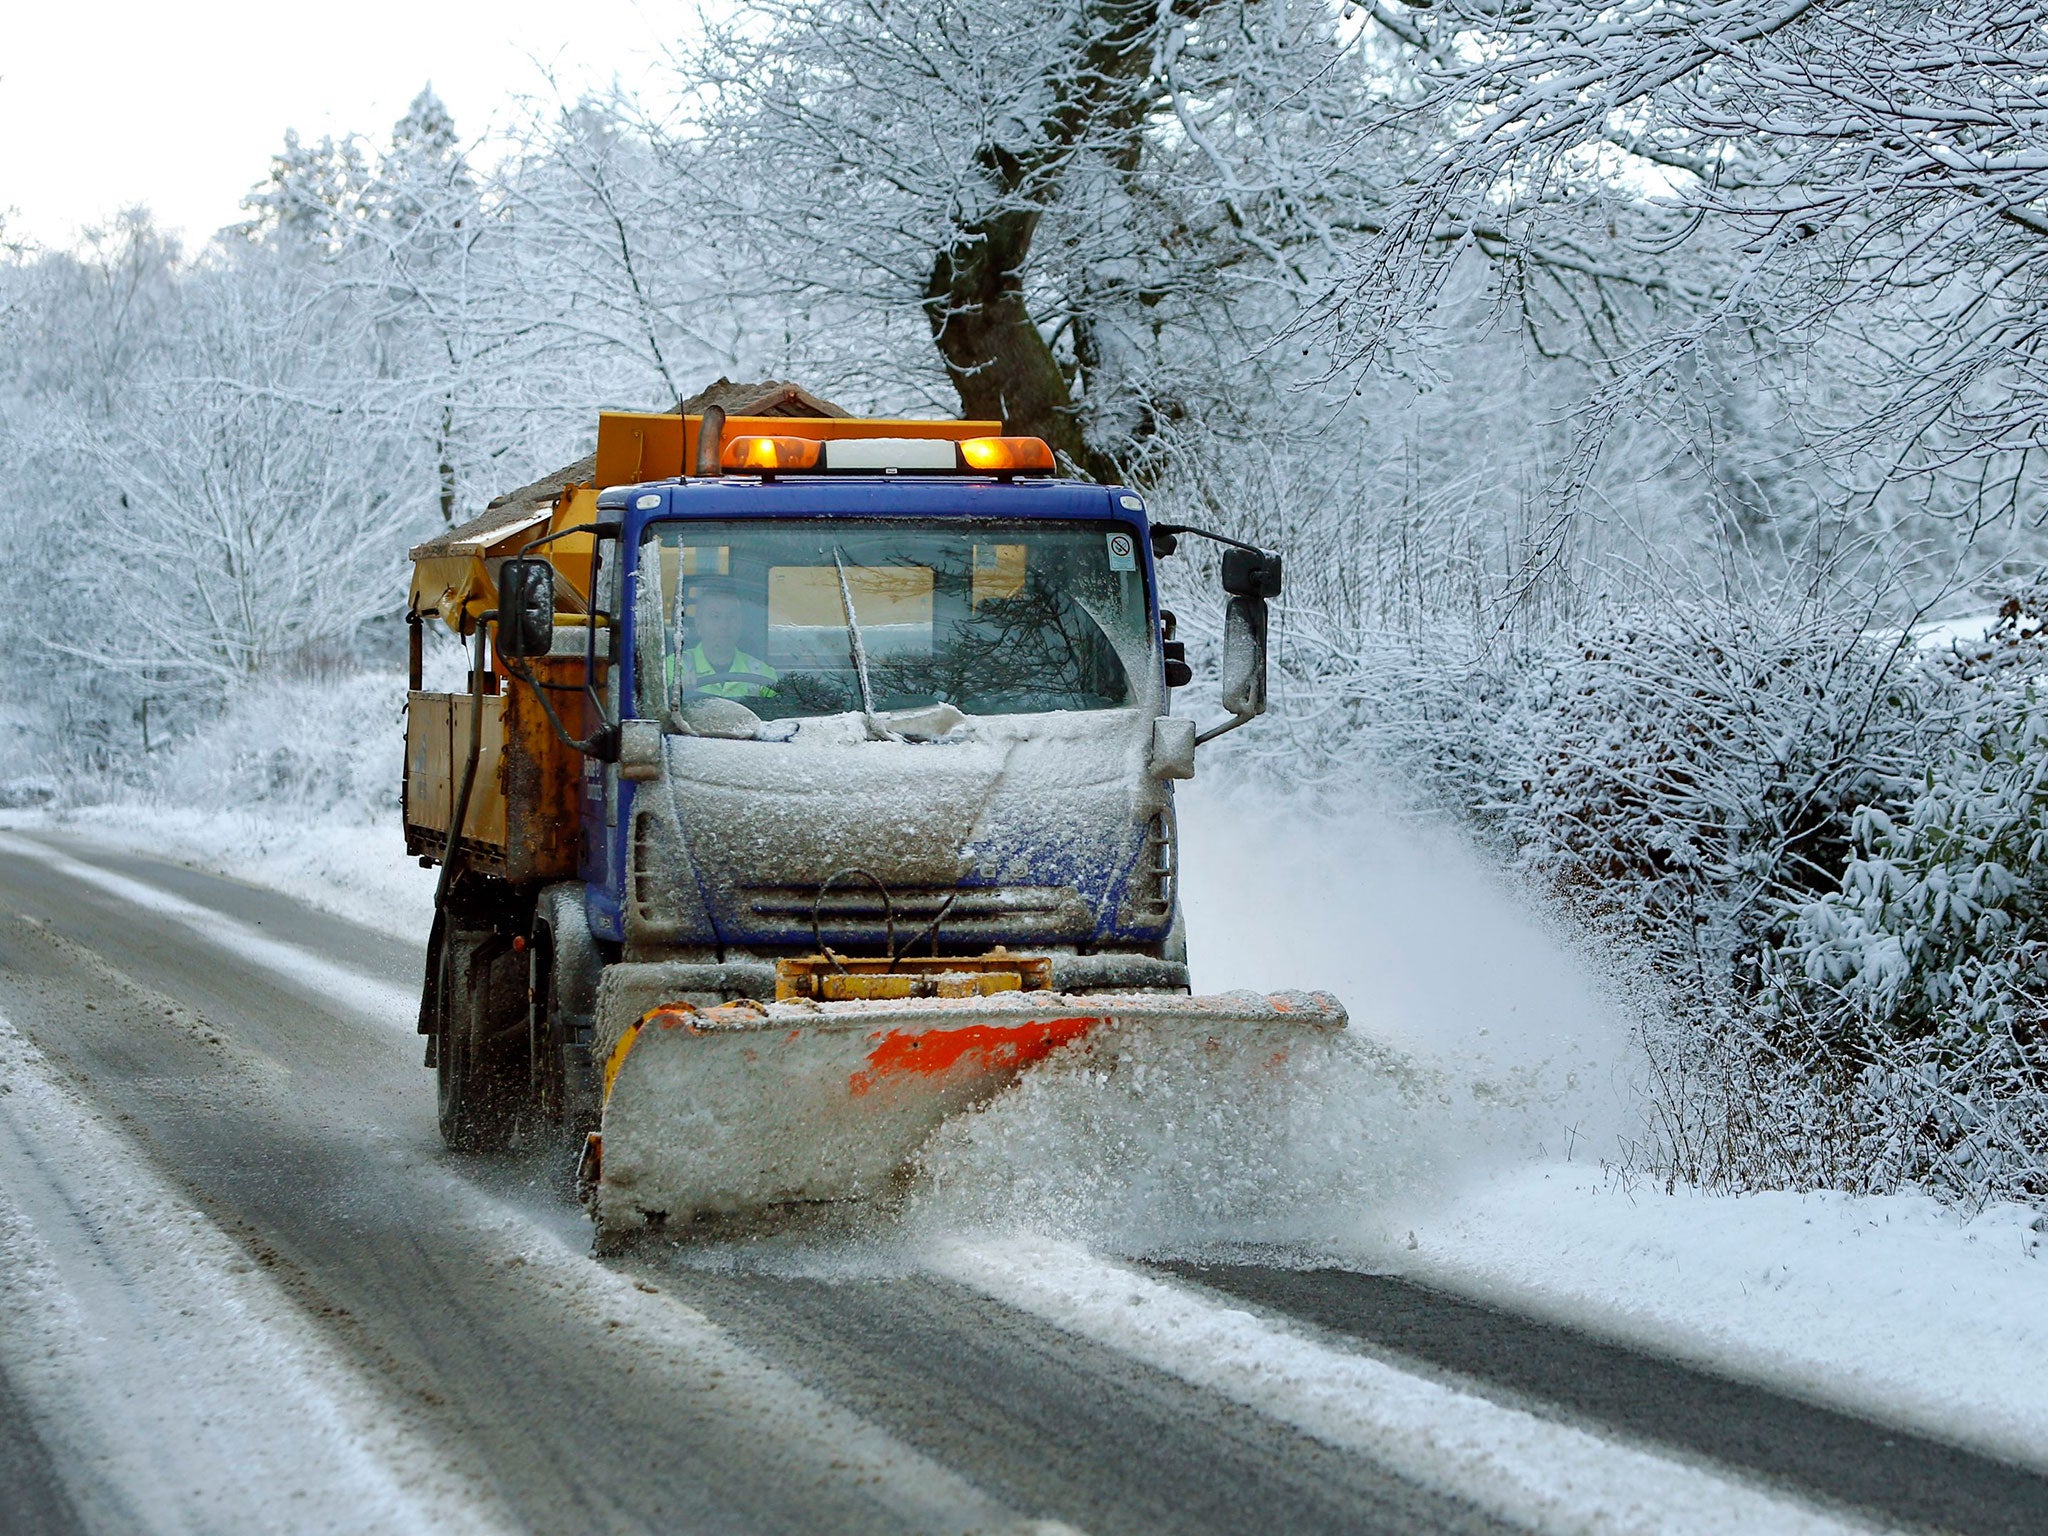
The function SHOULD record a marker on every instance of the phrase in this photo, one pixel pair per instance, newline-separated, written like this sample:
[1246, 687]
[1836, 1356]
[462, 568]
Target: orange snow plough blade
[745, 1106]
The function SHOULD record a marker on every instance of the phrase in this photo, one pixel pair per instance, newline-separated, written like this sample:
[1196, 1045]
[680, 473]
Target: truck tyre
[481, 1066]
[566, 965]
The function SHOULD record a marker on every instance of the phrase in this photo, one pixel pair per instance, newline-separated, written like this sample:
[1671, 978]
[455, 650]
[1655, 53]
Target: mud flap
[731, 1109]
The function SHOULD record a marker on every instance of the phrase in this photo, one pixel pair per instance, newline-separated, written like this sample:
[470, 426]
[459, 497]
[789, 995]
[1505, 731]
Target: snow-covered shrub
[1701, 768]
[1940, 912]
[1826, 852]
[1921, 981]
[329, 746]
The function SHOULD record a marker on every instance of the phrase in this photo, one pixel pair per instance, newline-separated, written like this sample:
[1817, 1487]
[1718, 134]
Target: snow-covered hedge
[1940, 909]
[328, 747]
[1928, 964]
[1828, 850]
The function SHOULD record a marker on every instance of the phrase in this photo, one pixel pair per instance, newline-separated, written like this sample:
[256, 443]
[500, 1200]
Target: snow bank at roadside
[1894, 1307]
[357, 872]
[294, 787]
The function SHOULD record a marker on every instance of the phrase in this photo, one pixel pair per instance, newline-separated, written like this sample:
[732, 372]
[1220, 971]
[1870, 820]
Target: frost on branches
[1933, 953]
[1862, 187]
[1824, 851]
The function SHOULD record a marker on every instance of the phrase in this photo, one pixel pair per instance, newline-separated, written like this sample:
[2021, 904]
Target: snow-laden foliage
[1854, 186]
[1940, 914]
[1926, 970]
[1823, 851]
[318, 747]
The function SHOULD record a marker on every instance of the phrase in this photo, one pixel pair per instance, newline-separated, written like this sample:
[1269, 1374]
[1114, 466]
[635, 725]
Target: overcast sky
[104, 103]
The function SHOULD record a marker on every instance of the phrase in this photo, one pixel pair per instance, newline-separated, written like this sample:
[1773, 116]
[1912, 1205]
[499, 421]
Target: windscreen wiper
[858, 646]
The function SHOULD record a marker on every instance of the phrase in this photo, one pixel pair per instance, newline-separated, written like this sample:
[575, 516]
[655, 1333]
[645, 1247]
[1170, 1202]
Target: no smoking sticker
[1123, 552]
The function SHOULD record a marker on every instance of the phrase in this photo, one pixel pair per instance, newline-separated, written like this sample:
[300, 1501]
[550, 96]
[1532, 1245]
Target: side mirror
[1244, 654]
[526, 608]
[1251, 573]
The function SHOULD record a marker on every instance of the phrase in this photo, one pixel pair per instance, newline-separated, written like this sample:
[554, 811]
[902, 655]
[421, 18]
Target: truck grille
[978, 912]
[917, 901]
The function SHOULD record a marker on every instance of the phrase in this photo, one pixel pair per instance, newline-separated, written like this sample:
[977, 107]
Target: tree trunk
[445, 470]
[996, 356]
[994, 352]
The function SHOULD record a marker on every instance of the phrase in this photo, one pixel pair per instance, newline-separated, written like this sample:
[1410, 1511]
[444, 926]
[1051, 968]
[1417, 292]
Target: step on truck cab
[804, 799]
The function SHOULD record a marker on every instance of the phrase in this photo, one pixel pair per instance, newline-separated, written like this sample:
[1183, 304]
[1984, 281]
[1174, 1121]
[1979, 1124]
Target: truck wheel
[566, 968]
[481, 1063]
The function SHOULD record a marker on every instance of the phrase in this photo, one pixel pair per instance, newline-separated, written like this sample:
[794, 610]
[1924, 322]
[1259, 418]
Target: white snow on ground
[322, 978]
[357, 872]
[1942, 634]
[1898, 1308]
[1539, 1473]
[177, 1388]
[1486, 1057]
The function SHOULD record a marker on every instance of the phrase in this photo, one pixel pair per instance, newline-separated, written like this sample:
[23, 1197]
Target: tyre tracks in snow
[256, 1058]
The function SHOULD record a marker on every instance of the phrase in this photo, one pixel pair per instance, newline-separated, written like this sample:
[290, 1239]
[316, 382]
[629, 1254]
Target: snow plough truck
[811, 779]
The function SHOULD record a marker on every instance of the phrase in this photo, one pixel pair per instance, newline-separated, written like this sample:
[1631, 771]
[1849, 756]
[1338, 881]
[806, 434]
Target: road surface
[242, 1287]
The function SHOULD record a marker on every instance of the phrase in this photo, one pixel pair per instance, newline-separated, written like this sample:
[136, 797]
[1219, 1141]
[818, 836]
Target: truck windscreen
[992, 617]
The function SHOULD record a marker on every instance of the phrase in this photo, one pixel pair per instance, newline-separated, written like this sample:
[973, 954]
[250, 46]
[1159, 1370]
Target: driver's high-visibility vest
[700, 666]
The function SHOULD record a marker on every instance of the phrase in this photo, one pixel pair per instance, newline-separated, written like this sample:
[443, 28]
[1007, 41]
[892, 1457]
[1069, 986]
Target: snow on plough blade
[745, 1106]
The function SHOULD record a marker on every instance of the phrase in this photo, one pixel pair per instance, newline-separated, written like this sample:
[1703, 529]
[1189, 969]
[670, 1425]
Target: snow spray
[1477, 1038]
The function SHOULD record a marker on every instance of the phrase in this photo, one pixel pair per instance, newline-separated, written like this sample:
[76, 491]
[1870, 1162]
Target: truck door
[603, 843]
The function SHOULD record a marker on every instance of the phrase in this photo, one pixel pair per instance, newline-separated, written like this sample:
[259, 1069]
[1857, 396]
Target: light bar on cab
[1002, 457]
[1007, 455]
[769, 455]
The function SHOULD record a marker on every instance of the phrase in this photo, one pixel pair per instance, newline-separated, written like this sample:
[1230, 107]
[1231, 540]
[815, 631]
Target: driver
[716, 664]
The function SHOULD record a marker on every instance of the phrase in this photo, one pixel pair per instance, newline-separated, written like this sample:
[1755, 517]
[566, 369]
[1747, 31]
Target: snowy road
[242, 1288]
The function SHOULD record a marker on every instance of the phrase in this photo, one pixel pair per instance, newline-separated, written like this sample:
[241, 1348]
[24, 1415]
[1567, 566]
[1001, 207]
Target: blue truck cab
[1000, 767]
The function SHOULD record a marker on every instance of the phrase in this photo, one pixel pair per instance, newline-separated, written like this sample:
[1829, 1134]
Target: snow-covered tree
[251, 486]
[1852, 192]
[1096, 212]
